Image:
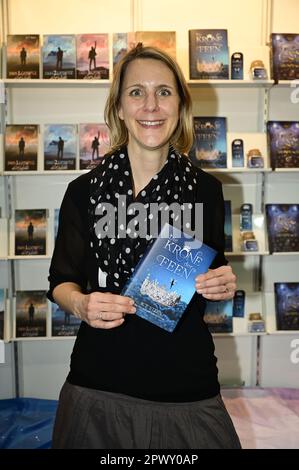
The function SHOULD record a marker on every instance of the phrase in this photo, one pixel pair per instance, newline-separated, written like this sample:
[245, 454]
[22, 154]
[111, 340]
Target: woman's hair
[182, 137]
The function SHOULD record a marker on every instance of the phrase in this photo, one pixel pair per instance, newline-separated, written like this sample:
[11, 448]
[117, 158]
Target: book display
[55, 77]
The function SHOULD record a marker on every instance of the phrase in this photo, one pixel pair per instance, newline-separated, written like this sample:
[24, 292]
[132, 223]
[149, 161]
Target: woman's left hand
[217, 284]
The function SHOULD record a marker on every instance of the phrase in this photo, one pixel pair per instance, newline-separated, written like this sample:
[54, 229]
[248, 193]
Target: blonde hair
[182, 137]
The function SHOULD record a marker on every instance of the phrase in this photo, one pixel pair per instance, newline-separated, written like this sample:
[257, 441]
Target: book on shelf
[2, 310]
[163, 282]
[283, 227]
[228, 231]
[219, 316]
[210, 147]
[283, 143]
[208, 54]
[30, 232]
[124, 42]
[63, 323]
[59, 56]
[93, 143]
[22, 56]
[287, 305]
[21, 147]
[56, 223]
[31, 313]
[92, 56]
[284, 56]
[60, 146]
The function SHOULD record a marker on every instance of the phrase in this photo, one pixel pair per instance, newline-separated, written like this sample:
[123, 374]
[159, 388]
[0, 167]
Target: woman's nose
[151, 102]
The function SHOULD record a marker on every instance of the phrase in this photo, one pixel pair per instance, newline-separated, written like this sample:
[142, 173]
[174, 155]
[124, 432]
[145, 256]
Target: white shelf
[45, 172]
[232, 83]
[22, 257]
[40, 82]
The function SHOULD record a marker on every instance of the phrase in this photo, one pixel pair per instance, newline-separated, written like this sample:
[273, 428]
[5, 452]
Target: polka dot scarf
[117, 256]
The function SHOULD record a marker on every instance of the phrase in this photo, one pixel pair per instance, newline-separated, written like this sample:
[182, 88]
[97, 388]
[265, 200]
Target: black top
[138, 358]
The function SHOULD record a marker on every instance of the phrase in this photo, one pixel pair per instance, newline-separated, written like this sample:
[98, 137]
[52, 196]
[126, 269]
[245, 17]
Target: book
[209, 148]
[283, 227]
[208, 54]
[92, 56]
[228, 232]
[30, 232]
[163, 282]
[64, 323]
[287, 305]
[93, 144]
[31, 313]
[23, 56]
[60, 147]
[56, 222]
[59, 56]
[283, 143]
[2, 308]
[284, 56]
[21, 147]
[219, 316]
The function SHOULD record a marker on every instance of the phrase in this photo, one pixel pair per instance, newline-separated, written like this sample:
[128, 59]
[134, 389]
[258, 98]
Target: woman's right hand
[102, 309]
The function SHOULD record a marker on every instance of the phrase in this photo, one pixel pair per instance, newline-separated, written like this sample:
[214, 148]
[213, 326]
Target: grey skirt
[92, 419]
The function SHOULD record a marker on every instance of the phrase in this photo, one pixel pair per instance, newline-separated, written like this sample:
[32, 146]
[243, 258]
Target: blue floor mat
[26, 423]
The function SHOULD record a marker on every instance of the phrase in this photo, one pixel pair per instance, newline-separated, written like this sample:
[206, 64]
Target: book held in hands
[163, 282]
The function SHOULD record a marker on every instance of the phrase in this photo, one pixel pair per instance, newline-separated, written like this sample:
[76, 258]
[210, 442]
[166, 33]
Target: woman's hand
[102, 309]
[217, 284]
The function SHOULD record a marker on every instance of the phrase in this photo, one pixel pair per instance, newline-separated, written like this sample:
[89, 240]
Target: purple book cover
[287, 305]
[285, 56]
[283, 227]
[283, 143]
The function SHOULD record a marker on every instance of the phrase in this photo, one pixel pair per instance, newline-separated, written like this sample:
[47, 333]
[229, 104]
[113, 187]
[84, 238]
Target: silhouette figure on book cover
[92, 57]
[31, 312]
[59, 58]
[23, 56]
[30, 230]
[95, 147]
[60, 147]
[21, 148]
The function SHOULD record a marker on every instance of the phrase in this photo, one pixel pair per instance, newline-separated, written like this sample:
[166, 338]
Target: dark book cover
[283, 227]
[285, 56]
[283, 143]
[64, 323]
[56, 222]
[93, 143]
[208, 54]
[30, 232]
[219, 316]
[228, 231]
[21, 147]
[2, 307]
[31, 313]
[59, 56]
[163, 282]
[287, 305]
[209, 148]
[23, 56]
[60, 147]
[239, 304]
[92, 56]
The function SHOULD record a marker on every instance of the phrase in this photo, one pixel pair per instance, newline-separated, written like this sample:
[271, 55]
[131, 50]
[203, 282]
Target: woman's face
[149, 104]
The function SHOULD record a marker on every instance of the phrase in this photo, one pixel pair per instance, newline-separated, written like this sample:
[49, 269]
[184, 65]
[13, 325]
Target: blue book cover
[163, 282]
[219, 316]
[210, 147]
[64, 323]
[208, 54]
[60, 147]
[228, 231]
[287, 305]
[59, 56]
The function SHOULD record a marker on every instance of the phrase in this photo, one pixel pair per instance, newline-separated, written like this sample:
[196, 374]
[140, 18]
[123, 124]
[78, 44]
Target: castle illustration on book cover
[163, 282]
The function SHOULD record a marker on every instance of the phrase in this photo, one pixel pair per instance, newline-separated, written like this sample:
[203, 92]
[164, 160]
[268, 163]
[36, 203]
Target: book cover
[121, 44]
[208, 54]
[31, 313]
[56, 222]
[284, 56]
[2, 302]
[164, 40]
[30, 232]
[283, 143]
[59, 56]
[92, 56]
[210, 147]
[21, 147]
[228, 232]
[94, 144]
[219, 316]
[60, 147]
[287, 305]
[64, 323]
[23, 56]
[163, 282]
[283, 227]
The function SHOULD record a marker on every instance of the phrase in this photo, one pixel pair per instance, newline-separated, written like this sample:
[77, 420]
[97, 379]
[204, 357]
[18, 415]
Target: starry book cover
[283, 143]
[287, 305]
[163, 282]
[283, 227]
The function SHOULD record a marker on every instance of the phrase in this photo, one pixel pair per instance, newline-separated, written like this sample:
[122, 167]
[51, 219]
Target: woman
[131, 383]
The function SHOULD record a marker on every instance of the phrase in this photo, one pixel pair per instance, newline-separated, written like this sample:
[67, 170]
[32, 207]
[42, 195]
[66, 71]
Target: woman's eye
[164, 92]
[136, 93]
